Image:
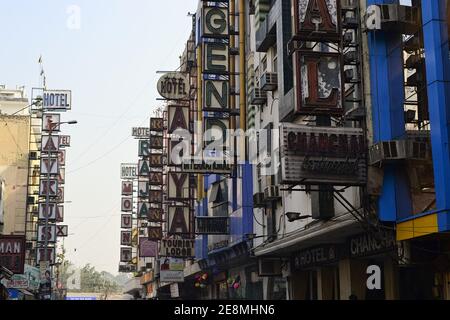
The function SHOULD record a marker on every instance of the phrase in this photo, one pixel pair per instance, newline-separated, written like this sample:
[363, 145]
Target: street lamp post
[47, 198]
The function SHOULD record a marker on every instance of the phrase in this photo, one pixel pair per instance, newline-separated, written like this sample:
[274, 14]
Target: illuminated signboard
[323, 155]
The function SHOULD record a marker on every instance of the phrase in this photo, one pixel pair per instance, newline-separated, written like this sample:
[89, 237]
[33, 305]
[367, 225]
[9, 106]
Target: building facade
[334, 183]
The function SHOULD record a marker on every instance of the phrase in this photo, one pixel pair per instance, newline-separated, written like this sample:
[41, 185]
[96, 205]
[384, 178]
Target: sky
[108, 53]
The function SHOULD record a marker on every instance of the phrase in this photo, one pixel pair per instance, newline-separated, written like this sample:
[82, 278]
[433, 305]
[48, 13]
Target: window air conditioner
[269, 81]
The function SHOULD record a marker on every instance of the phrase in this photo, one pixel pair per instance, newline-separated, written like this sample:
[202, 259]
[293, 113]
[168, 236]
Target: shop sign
[171, 270]
[323, 155]
[12, 253]
[369, 244]
[316, 256]
[212, 225]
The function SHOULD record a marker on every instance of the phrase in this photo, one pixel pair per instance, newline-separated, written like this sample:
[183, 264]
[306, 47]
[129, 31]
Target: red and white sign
[60, 196]
[50, 144]
[64, 141]
[127, 188]
[126, 221]
[49, 187]
[50, 122]
[62, 157]
[49, 166]
[127, 204]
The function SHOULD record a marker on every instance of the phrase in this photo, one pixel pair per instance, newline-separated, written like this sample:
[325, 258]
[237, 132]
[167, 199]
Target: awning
[335, 230]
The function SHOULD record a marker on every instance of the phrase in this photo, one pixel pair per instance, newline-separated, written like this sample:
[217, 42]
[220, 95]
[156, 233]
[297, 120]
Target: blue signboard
[81, 298]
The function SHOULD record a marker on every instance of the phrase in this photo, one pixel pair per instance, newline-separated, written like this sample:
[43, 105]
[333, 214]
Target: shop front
[370, 255]
[315, 273]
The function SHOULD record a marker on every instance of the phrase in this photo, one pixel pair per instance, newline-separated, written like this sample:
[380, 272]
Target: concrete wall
[14, 146]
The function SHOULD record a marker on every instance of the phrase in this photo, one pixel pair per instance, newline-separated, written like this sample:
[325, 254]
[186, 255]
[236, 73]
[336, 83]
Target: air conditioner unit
[272, 193]
[418, 150]
[258, 97]
[269, 81]
[258, 200]
[387, 151]
[404, 19]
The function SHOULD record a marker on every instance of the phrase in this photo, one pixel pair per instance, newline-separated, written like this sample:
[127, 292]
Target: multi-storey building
[344, 173]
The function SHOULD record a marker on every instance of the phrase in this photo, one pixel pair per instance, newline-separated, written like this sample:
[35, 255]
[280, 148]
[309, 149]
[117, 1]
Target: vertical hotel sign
[319, 75]
[216, 78]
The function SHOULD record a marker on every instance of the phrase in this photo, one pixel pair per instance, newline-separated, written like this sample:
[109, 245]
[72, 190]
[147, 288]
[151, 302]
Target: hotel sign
[128, 171]
[323, 155]
[316, 256]
[57, 100]
[174, 86]
[140, 132]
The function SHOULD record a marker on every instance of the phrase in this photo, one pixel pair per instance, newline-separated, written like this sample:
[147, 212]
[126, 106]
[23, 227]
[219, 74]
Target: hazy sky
[110, 65]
